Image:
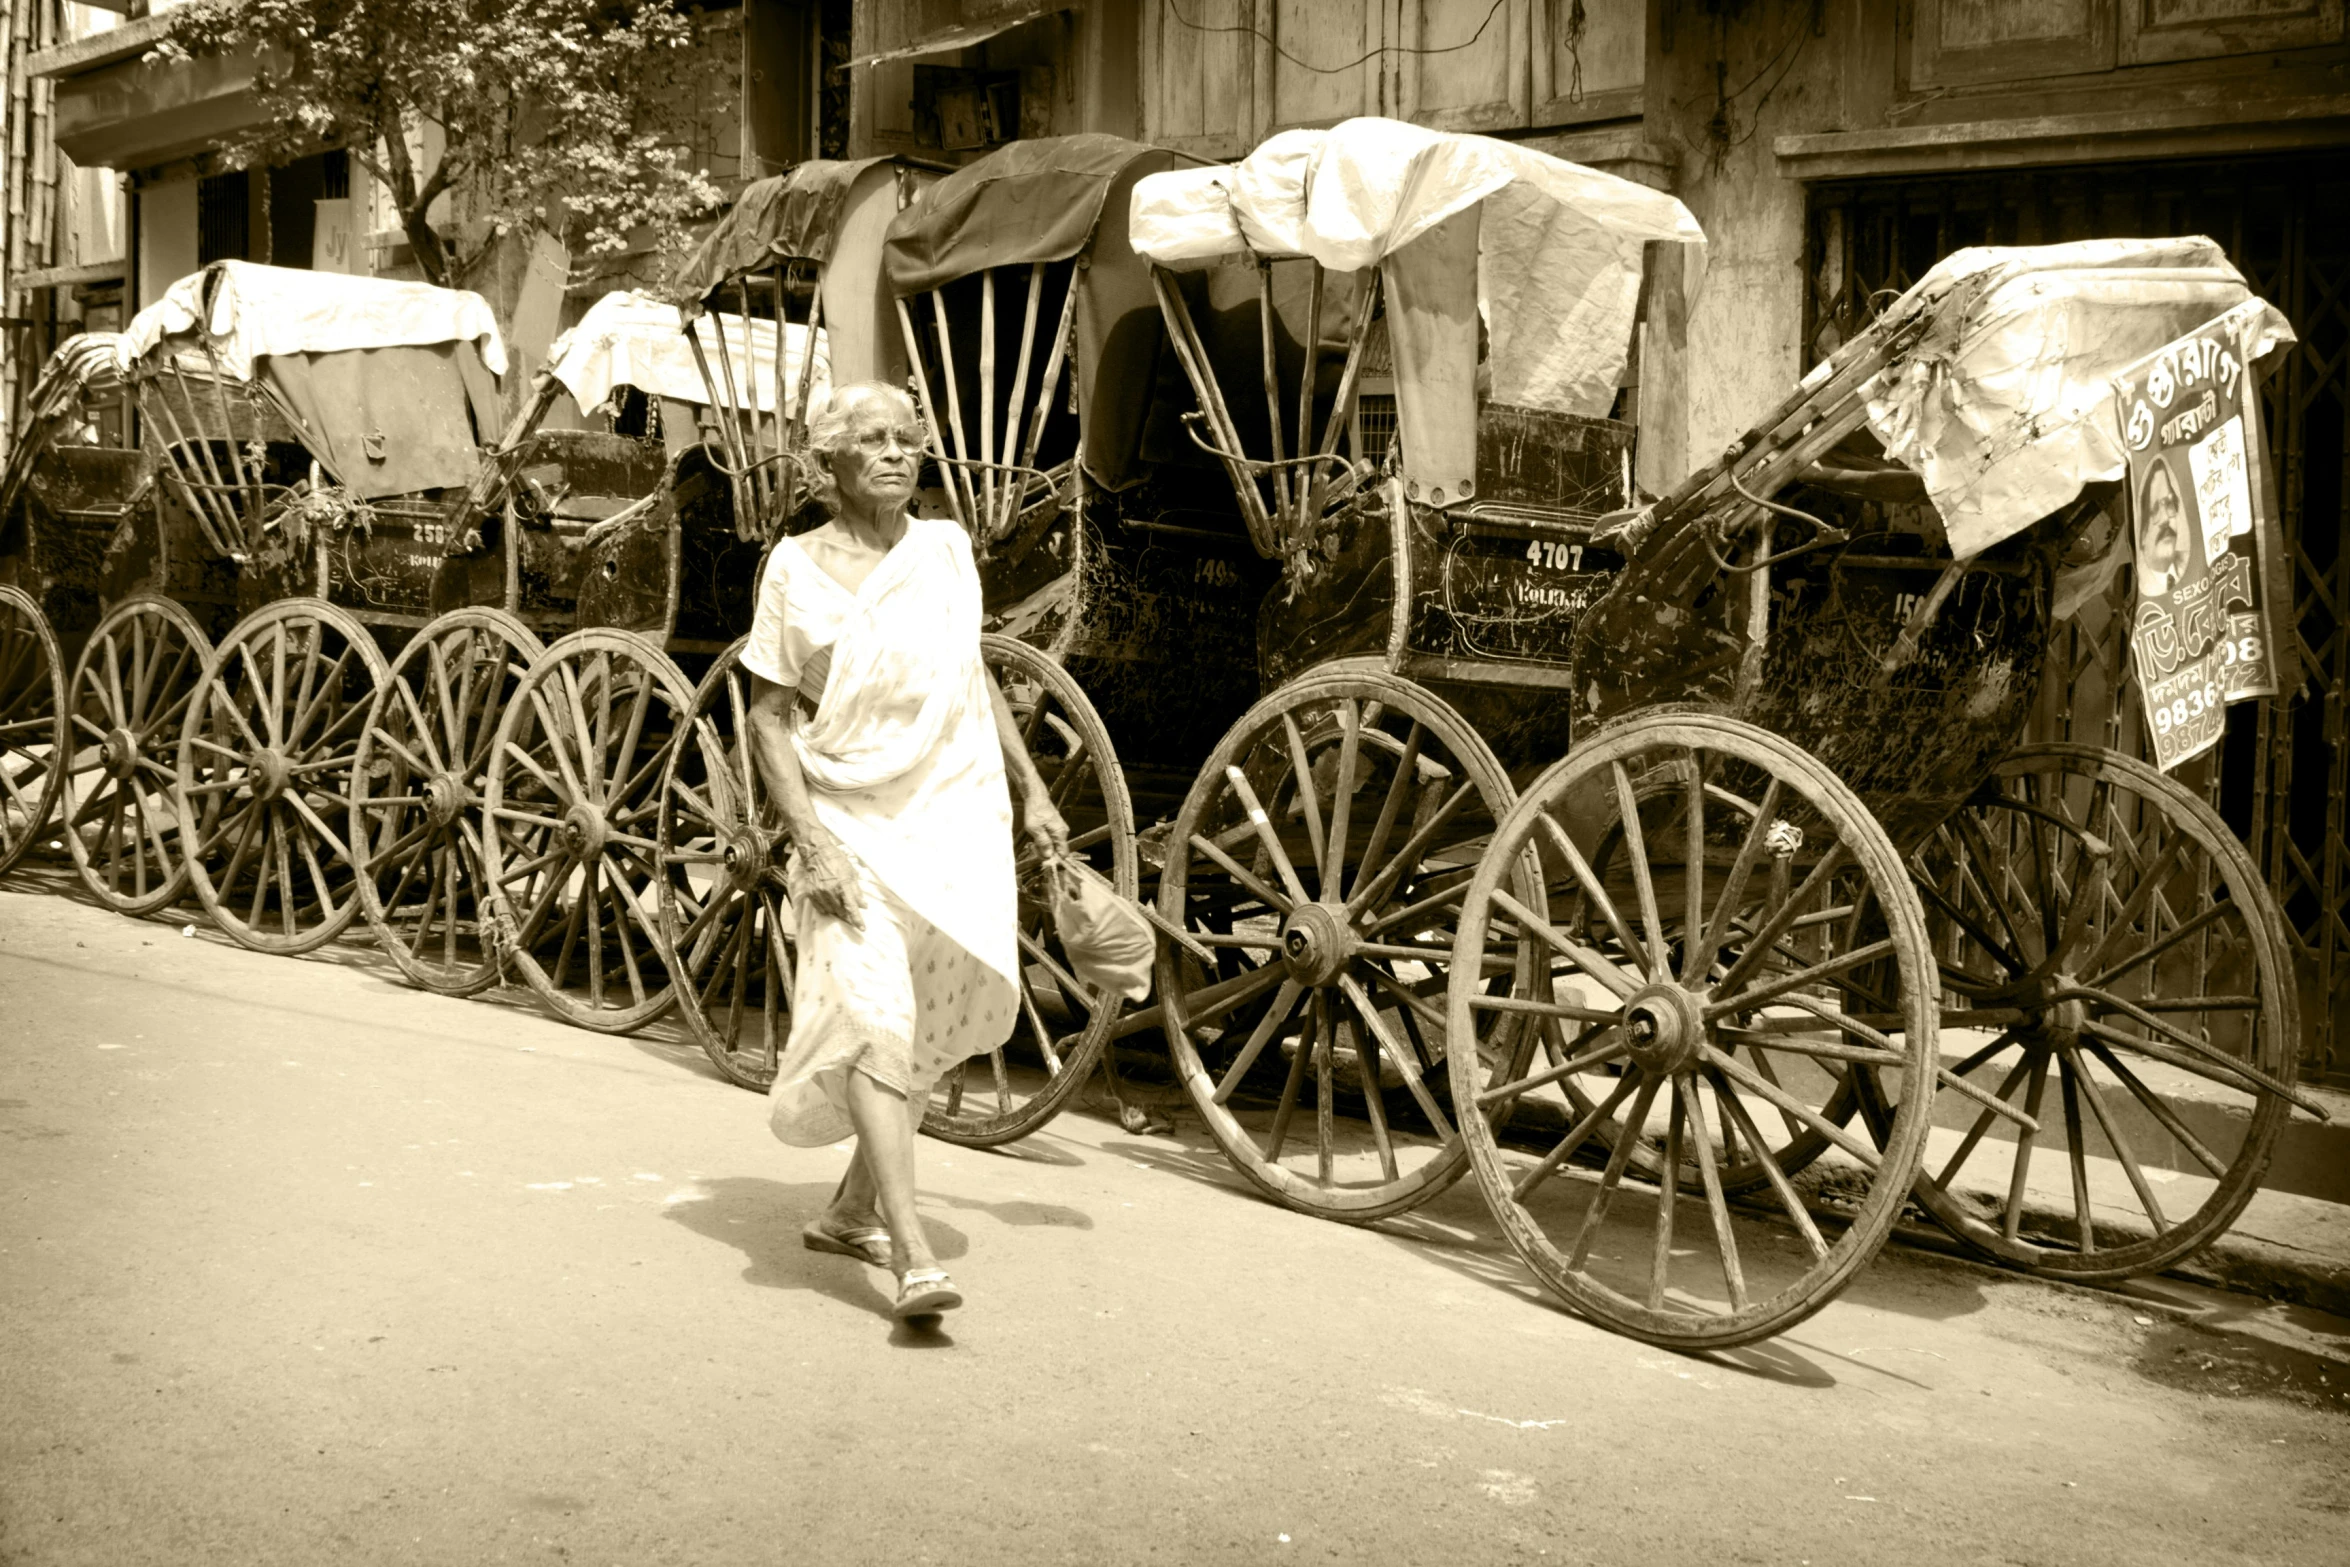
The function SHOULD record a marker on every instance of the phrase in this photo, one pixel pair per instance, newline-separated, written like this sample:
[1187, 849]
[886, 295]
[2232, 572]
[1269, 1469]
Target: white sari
[905, 768]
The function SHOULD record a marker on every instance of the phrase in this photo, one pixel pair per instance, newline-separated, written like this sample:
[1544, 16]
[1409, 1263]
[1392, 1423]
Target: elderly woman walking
[895, 766]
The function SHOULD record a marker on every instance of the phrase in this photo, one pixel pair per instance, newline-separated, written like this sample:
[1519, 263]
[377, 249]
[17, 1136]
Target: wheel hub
[270, 770]
[447, 796]
[748, 854]
[2053, 1021]
[1316, 941]
[1663, 1026]
[118, 753]
[584, 831]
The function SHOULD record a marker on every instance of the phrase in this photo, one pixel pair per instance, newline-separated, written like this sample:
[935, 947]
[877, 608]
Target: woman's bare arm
[829, 879]
[1038, 816]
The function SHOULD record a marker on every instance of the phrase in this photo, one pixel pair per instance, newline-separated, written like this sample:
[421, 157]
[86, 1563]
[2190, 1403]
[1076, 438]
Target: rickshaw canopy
[390, 385]
[630, 338]
[795, 217]
[248, 311]
[2005, 407]
[1043, 201]
[1558, 248]
[1027, 201]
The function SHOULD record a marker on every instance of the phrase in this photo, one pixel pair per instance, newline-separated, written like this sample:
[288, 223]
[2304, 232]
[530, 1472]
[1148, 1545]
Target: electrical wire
[1334, 70]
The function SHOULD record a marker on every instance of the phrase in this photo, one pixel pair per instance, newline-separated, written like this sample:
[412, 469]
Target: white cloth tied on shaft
[904, 768]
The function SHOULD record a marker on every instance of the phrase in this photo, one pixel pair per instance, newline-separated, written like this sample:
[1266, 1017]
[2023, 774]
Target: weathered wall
[1722, 82]
[167, 236]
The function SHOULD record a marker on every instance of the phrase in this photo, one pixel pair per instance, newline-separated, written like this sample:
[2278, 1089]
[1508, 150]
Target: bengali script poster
[2200, 634]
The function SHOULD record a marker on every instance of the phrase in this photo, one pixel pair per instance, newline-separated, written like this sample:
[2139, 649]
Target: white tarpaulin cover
[255, 311]
[633, 339]
[1559, 245]
[2006, 408]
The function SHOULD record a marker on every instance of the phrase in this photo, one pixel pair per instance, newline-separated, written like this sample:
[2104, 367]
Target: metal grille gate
[2283, 776]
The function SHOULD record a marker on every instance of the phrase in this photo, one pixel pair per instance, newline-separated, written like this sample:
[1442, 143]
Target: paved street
[298, 1265]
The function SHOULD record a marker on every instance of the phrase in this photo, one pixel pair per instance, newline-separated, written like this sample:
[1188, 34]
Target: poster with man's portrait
[2200, 635]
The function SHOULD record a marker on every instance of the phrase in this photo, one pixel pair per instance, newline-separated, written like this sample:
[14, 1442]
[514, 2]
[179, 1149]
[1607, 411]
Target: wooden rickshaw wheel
[264, 774]
[726, 914]
[2125, 981]
[1691, 1010]
[1316, 868]
[126, 704]
[32, 729]
[1064, 1025]
[570, 807]
[416, 796]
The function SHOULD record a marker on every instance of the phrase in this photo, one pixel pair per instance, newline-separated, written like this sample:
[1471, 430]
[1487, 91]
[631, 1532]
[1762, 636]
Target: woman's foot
[925, 1292]
[848, 1236]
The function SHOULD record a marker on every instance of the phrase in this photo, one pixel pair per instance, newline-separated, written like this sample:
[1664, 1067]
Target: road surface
[297, 1265]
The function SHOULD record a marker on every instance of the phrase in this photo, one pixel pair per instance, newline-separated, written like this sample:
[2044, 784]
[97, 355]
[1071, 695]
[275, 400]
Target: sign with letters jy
[2200, 633]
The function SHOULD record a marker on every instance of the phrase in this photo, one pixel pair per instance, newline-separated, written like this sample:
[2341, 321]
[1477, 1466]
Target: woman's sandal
[868, 1243]
[925, 1292]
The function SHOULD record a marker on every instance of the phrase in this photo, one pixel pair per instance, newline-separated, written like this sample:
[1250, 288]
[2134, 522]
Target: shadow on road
[762, 1219]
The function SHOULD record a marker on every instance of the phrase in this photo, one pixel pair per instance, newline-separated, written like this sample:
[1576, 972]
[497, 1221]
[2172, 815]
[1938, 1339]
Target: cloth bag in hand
[1109, 943]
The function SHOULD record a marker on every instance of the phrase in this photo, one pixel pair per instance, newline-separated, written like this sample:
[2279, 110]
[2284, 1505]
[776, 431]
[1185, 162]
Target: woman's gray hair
[828, 433]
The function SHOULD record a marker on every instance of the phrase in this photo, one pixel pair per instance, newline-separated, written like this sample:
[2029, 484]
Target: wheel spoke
[1621, 984]
[2116, 1140]
[2019, 1176]
[1588, 879]
[1308, 803]
[1232, 868]
[1287, 1108]
[2205, 1061]
[1966, 1145]
[1643, 882]
[1374, 1102]
[1399, 787]
[1734, 886]
[1573, 1065]
[1266, 836]
[1734, 1108]
[2149, 885]
[1578, 1135]
[1733, 1272]
[2078, 1157]
[1975, 850]
[1765, 940]
[1660, 1265]
[1352, 989]
[2159, 1109]
[2153, 950]
[1325, 1091]
[1448, 898]
[1409, 855]
[1612, 1176]
[1780, 984]
[1762, 1087]
[1350, 722]
[1284, 1003]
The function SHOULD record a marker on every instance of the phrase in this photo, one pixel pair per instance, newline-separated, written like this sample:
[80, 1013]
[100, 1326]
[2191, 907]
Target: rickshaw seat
[1550, 461]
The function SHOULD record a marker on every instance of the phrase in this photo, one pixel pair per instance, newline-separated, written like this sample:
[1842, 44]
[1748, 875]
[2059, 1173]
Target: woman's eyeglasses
[908, 437]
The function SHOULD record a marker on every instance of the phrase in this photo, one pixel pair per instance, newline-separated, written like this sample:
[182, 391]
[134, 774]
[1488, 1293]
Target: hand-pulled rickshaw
[2095, 946]
[72, 482]
[564, 526]
[1430, 575]
[308, 432]
[653, 567]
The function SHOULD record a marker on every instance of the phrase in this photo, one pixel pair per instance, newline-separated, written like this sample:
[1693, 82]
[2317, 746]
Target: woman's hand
[828, 879]
[1041, 821]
